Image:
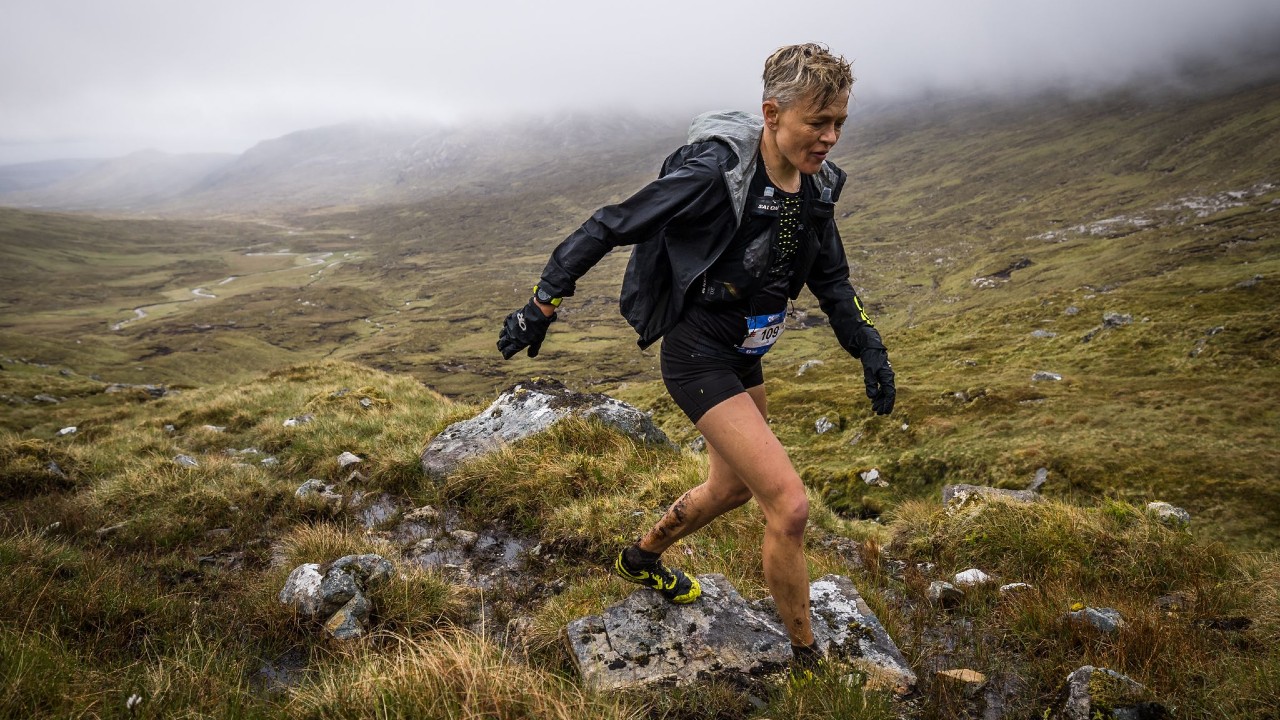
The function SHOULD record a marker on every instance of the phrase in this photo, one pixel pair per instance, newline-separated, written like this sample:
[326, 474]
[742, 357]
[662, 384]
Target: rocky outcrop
[1093, 692]
[646, 640]
[336, 592]
[525, 409]
[958, 495]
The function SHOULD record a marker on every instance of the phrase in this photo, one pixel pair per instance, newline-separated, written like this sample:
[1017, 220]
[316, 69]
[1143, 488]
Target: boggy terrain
[1082, 290]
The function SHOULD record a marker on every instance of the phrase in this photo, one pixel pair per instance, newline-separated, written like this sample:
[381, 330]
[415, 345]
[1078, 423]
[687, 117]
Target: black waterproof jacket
[682, 222]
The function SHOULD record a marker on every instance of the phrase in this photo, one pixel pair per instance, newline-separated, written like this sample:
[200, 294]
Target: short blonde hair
[796, 72]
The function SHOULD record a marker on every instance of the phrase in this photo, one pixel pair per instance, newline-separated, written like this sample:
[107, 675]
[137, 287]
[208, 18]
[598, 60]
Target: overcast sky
[92, 78]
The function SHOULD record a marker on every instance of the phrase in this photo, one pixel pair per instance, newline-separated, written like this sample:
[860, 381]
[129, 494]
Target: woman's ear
[770, 110]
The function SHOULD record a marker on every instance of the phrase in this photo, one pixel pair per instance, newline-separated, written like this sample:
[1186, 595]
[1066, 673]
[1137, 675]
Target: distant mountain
[140, 180]
[36, 175]
[351, 165]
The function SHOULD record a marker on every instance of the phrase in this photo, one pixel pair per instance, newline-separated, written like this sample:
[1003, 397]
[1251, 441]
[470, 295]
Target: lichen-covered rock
[1169, 514]
[1104, 620]
[971, 577]
[1094, 693]
[944, 594]
[646, 640]
[958, 495]
[525, 409]
[336, 591]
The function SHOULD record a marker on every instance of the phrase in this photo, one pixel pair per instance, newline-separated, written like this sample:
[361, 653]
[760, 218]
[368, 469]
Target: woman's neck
[781, 172]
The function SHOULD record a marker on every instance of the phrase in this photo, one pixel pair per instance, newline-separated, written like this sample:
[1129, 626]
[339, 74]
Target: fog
[83, 78]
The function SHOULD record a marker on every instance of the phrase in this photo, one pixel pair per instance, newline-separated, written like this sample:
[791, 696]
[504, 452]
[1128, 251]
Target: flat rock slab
[525, 409]
[957, 495]
[646, 640]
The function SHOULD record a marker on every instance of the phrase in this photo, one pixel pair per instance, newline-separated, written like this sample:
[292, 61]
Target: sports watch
[544, 297]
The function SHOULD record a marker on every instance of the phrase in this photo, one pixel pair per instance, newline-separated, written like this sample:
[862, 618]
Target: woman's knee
[791, 515]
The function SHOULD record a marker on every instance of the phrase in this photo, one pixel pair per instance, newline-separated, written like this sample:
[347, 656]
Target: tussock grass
[454, 676]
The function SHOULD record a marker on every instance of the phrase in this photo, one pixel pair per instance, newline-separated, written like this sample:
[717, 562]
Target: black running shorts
[698, 380]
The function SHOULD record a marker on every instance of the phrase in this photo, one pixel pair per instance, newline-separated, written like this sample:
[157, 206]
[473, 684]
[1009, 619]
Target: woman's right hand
[526, 327]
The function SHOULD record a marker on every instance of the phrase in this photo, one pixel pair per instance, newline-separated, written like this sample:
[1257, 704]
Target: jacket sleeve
[695, 183]
[829, 281]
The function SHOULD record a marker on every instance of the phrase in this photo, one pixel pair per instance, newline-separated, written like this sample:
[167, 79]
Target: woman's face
[805, 133]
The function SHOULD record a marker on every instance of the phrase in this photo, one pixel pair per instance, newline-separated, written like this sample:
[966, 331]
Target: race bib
[762, 333]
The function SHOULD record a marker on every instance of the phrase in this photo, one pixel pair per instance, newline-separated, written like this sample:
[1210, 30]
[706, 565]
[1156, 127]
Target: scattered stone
[299, 420]
[646, 640]
[47, 399]
[968, 682]
[1043, 334]
[69, 430]
[857, 438]
[944, 594]
[155, 391]
[525, 409]
[698, 445]
[347, 458]
[1016, 587]
[355, 478]
[186, 461]
[872, 477]
[426, 513]
[1250, 282]
[465, 538]
[269, 461]
[823, 426]
[808, 365]
[366, 403]
[341, 392]
[959, 495]
[971, 577]
[1094, 692]
[1042, 474]
[1105, 620]
[170, 428]
[1071, 310]
[54, 469]
[1115, 320]
[215, 428]
[1169, 514]
[1044, 375]
[336, 592]
[318, 488]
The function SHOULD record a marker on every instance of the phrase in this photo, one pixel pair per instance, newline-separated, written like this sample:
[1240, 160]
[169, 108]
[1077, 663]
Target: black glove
[877, 371]
[526, 327]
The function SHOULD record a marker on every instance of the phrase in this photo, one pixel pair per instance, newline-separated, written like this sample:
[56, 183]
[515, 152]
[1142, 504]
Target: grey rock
[426, 513]
[186, 461]
[1094, 692]
[299, 420]
[348, 458]
[155, 391]
[971, 577]
[959, 495]
[465, 538]
[56, 470]
[1043, 334]
[370, 571]
[1042, 474]
[808, 365]
[1045, 376]
[1016, 587]
[525, 409]
[698, 445]
[269, 461]
[1105, 620]
[302, 589]
[1072, 310]
[69, 430]
[1250, 282]
[871, 477]
[170, 429]
[1115, 320]
[47, 399]
[823, 425]
[215, 428]
[111, 529]
[318, 488]
[348, 622]
[366, 403]
[646, 640]
[944, 594]
[1169, 514]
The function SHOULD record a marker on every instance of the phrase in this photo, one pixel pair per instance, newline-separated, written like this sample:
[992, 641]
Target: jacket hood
[741, 132]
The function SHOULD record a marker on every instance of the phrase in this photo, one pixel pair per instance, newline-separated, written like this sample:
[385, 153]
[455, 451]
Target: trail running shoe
[674, 585]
